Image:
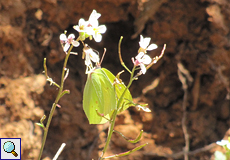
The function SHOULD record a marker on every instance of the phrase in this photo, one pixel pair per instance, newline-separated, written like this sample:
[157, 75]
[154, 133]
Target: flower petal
[91, 55]
[146, 42]
[66, 47]
[94, 15]
[87, 60]
[94, 57]
[102, 29]
[71, 36]
[82, 25]
[94, 23]
[146, 59]
[141, 40]
[89, 31]
[139, 56]
[97, 37]
[75, 43]
[152, 47]
[77, 28]
[143, 68]
[63, 37]
[81, 22]
[222, 142]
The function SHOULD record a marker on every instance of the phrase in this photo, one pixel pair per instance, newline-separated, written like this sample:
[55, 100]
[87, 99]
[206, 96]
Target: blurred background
[197, 37]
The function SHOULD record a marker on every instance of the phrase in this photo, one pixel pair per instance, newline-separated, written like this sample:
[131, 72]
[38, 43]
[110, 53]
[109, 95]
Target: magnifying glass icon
[9, 147]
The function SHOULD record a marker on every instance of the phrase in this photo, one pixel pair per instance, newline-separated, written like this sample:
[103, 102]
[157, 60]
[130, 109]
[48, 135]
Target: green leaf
[127, 153]
[120, 88]
[39, 124]
[129, 140]
[99, 94]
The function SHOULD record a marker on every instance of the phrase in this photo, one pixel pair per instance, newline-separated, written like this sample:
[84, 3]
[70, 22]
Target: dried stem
[59, 151]
[157, 58]
[184, 117]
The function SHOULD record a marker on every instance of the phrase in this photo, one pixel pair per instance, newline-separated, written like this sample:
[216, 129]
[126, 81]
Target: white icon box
[10, 149]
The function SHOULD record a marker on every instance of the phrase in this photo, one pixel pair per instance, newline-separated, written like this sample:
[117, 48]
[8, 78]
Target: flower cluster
[142, 59]
[91, 27]
[92, 30]
[87, 29]
[66, 42]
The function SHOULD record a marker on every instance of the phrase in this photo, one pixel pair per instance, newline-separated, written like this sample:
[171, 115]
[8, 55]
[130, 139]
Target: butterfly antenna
[102, 56]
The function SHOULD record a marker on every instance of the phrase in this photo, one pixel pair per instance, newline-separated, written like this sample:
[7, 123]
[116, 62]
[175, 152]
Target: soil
[197, 36]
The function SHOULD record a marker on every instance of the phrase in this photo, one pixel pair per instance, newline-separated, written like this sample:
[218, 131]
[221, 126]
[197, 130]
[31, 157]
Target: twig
[152, 86]
[184, 127]
[46, 74]
[59, 151]
[157, 58]
[184, 117]
[103, 56]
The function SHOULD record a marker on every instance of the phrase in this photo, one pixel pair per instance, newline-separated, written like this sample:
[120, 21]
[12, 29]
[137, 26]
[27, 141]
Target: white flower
[86, 26]
[144, 44]
[82, 25]
[97, 30]
[142, 59]
[91, 27]
[90, 55]
[224, 143]
[68, 41]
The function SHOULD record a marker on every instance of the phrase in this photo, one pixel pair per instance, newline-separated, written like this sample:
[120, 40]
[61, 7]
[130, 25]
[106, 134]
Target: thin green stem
[110, 132]
[112, 123]
[119, 53]
[46, 129]
[119, 50]
[46, 74]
